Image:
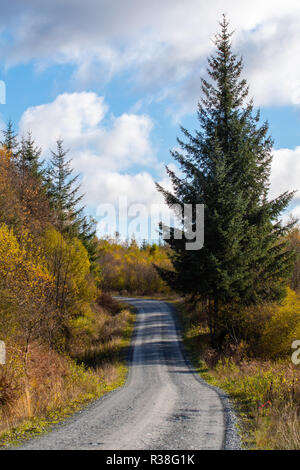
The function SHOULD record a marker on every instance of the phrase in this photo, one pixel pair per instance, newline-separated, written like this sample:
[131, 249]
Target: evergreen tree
[227, 166]
[63, 191]
[29, 157]
[87, 234]
[10, 139]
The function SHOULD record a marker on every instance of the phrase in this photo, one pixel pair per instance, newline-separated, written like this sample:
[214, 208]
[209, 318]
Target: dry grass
[280, 430]
[49, 382]
[109, 343]
[268, 397]
[52, 385]
[266, 392]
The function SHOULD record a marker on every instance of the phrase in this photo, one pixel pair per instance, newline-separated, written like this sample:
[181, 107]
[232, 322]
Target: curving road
[163, 405]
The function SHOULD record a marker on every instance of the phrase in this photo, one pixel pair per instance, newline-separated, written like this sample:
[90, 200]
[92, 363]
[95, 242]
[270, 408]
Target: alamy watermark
[296, 353]
[183, 222]
[2, 92]
[2, 353]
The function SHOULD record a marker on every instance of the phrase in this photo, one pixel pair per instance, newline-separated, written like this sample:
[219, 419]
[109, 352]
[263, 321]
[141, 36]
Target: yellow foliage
[69, 254]
[25, 283]
[20, 258]
[69, 263]
[129, 268]
[283, 328]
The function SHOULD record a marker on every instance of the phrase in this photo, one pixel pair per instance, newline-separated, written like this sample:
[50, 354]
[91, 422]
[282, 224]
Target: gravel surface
[164, 404]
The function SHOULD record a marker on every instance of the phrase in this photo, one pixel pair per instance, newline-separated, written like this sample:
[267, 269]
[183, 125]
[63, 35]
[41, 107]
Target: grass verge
[265, 394]
[58, 386]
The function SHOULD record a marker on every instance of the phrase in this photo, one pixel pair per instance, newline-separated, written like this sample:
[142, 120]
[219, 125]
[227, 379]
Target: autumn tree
[67, 260]
[27, 307]
[127, 267]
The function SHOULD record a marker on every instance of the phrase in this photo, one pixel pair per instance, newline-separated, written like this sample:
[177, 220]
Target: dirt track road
[163, 405]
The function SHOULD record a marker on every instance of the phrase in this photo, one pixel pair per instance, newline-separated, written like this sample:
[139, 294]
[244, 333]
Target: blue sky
[116, 78]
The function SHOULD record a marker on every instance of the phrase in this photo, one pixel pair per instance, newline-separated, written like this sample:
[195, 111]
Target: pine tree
[87, 234]
[29, 157]
[10, 139]
[63, 191]
[227, 167]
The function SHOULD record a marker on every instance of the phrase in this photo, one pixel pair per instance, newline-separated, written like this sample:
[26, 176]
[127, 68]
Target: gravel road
[164, 404]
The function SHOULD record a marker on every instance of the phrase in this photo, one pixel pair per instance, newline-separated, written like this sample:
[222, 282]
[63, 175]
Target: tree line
[49, 273]
[129, 268]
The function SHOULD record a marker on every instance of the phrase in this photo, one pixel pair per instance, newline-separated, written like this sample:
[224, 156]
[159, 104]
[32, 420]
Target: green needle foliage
[29, 157]
[10, 139]
[63, 191]
[226, 166]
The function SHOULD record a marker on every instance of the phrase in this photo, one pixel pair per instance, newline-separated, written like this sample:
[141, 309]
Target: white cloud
[75, 116]
[285, 172]
[163, 45]
[285, 177]
[114, 155]
[295, 213]
[272, 58]
[108, 187]
[112, 143]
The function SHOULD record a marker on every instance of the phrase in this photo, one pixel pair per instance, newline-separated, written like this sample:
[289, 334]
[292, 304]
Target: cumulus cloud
[285, 172]
[294, 213]
[285, 177]
[76, 116]
[270, 52]
[81, 119]
[114, 155]
[162, 45]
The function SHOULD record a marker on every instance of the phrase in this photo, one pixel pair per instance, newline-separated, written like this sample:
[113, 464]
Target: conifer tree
[10, 139]
[29, 157]
[226, 166]
[63, 191]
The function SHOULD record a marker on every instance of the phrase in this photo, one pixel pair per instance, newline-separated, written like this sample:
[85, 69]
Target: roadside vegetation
[129, 268]
[257, 371]
[55, 385]
[66, 340]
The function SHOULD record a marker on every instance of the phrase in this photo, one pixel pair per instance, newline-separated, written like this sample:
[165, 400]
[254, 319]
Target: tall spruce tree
[226, 164]
[63, 191]
[29, 157]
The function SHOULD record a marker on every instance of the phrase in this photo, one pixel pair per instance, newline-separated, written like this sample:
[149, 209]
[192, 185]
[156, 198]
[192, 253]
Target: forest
[238, 298]
[64, 336]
